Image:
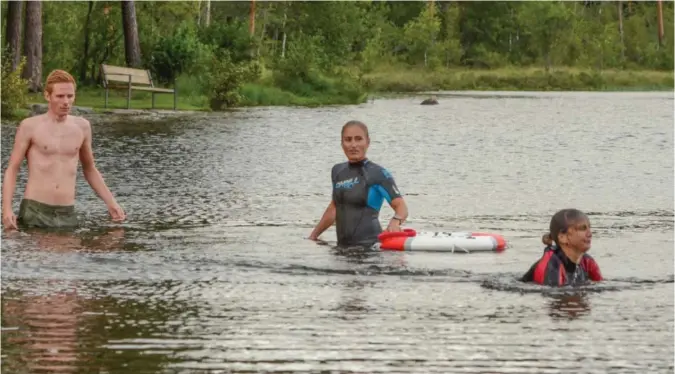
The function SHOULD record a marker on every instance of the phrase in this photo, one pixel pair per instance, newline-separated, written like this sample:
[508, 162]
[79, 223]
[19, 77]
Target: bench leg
[175, 93]
[106, 98]
[129, 94]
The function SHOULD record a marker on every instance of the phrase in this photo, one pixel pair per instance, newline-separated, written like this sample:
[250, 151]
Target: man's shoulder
[28, 126]
[80, 121]
[30, 122]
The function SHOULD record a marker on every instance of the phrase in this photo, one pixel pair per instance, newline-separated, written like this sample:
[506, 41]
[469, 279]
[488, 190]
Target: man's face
[61, 99]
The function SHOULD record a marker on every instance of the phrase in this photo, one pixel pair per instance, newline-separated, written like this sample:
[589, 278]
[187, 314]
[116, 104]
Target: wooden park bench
[120, 77]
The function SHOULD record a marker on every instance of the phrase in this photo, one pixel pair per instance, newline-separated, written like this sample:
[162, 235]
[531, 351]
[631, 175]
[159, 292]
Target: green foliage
[546, 24]
[318, 52]
[302, 59]
[229, 38]
[307, 72]
[373, 53]
[14, 89]
[177, 53]
[226, 78]
[420, 35]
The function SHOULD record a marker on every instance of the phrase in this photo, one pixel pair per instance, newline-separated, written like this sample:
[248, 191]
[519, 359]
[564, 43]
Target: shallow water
[211, 272]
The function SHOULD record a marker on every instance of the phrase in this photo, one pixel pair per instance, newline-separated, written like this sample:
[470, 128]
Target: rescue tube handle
[404, 233]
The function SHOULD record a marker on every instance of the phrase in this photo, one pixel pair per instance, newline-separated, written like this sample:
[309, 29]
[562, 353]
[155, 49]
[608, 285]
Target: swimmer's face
[578, 236]
[61, 98]
[355, 143]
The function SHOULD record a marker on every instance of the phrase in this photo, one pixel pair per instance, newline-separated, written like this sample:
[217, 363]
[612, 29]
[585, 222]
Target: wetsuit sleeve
[388, 184]
[543, 271]
[529, 276]
[334, 175]
[592, 269]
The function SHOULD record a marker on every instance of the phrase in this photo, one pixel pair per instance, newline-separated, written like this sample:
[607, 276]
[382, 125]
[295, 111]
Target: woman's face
[578, 236]
[355, 143]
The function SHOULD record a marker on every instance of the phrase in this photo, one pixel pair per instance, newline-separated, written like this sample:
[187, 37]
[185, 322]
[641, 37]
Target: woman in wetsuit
[565, 261]
[360, 186]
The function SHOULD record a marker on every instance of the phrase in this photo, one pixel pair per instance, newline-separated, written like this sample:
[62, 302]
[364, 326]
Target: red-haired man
[53, 143]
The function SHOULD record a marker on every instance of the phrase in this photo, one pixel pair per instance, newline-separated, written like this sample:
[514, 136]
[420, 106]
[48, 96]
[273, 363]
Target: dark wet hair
[560, 222]
[356, 123]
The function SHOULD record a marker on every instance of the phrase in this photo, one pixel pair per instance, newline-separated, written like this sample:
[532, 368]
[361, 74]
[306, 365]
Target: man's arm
[21, 145]
[91, 173]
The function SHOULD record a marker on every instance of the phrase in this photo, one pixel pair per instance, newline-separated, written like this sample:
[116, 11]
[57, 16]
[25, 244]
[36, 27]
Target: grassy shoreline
[400, 80]
[517, 79]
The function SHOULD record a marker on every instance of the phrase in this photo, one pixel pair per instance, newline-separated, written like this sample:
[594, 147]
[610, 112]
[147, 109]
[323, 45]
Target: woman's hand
[394, 226]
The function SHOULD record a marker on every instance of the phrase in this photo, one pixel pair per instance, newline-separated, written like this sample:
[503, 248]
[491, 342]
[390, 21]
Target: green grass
[400, 79]
[256, 94]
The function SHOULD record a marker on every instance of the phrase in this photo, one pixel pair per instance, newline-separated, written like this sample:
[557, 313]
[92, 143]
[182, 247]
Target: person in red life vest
[565, 261]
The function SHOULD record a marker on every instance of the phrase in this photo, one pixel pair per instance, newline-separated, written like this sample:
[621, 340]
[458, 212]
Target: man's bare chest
[64, 142]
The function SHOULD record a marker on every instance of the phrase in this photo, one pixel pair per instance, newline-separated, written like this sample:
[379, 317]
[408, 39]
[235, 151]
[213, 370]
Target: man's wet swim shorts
[36, 214]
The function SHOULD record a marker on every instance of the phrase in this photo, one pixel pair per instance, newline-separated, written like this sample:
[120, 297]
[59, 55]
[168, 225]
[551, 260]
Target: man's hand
[116, 212]
[9, 220]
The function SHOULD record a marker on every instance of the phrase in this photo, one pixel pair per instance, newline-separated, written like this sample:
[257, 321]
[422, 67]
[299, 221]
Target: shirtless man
[53, 143]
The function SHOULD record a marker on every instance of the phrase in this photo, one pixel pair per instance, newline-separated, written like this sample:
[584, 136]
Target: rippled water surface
[212, 271]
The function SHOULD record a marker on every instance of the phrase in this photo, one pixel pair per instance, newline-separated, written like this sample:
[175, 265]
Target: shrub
[14, 89]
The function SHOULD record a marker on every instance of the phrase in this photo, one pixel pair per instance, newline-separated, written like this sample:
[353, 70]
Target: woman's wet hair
[356, 123]
[560, 222]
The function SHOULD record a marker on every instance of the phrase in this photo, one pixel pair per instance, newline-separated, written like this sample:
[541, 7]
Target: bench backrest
[121, 74]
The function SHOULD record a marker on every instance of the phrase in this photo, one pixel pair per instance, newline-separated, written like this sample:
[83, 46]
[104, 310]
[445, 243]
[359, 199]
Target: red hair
[58, 76]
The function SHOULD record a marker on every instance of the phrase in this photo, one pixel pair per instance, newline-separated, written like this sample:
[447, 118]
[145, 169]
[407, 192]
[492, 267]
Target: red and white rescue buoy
[439, 241]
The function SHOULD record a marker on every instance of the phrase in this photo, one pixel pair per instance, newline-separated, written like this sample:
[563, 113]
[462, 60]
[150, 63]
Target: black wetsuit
[359, 189]
[556, 269]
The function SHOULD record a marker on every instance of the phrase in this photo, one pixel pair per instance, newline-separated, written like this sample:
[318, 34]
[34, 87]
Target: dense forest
[252, 52]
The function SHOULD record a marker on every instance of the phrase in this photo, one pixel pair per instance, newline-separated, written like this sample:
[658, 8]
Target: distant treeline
[292, 44]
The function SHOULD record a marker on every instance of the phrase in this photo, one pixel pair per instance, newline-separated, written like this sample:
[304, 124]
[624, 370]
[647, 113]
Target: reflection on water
[62, 326]
[569, 306]
[43, 330]
[353, 304]
[212, 270]
[45, 338]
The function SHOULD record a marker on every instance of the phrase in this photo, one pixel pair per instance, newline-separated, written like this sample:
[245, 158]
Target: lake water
[212, 272]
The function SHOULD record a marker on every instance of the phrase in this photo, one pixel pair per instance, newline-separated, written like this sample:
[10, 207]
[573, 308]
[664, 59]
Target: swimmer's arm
[400, 210]
[91, 173]
[21, 145]
[326, 221]
[395, 198]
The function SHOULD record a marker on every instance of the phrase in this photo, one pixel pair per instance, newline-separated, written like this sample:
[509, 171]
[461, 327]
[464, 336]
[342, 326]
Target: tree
[132, 48]
[13, 33]
[32, 45]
